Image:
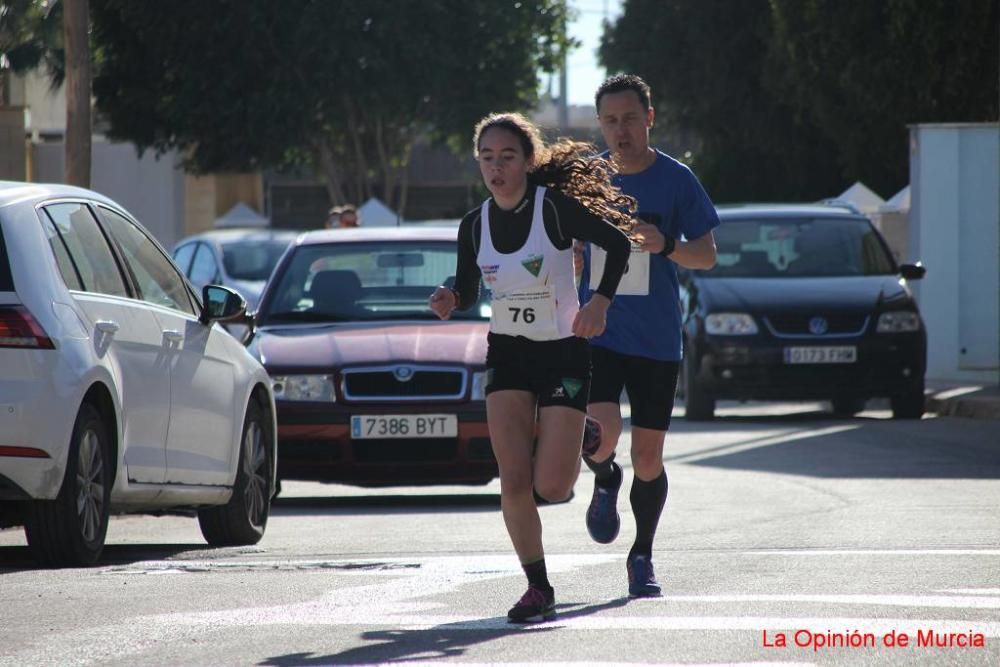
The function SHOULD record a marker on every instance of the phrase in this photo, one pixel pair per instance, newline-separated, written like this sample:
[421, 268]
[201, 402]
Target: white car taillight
[19, 329]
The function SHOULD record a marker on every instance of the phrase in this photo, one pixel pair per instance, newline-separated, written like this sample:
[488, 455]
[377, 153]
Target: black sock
[607, 472]
[537, 576]
[647, 500]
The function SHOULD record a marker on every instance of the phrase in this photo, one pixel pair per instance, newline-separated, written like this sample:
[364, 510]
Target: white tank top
[534, 288]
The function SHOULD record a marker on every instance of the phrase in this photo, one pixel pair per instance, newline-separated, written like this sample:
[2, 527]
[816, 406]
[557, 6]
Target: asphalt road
[787, 532]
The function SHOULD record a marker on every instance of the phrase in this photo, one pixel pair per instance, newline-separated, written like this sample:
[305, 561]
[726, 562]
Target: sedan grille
[404, 383]
[816, 325]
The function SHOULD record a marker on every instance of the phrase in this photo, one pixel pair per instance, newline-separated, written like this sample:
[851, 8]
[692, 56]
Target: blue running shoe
[641, 579]
[534, 606]
[603, 522]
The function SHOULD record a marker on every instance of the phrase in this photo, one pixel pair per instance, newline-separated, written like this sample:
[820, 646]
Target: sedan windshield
[251, 260]
[799, 248]
[341, 282]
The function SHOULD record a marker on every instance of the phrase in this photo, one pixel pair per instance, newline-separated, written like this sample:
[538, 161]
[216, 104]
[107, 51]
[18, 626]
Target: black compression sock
[647, 500]
[606, 472]
[537, 576]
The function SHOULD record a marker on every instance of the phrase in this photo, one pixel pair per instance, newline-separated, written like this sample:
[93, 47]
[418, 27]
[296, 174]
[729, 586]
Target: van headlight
[899, 321]
[479, 381]
[303, 388]
[730, 324]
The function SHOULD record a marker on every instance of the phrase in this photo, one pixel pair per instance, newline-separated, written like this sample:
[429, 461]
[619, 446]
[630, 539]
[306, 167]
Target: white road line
[762, 442]
[952, 601]
[971, 591]
[873, 552]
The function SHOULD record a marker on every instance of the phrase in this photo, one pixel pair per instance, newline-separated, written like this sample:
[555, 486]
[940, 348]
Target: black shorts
[650, 384]
[556, 371]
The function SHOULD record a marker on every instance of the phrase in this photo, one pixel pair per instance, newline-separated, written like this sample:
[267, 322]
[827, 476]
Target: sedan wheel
[243, 519]
[70, 530]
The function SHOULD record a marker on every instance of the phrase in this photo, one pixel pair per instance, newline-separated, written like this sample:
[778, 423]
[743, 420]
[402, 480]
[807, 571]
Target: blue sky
[584, 72]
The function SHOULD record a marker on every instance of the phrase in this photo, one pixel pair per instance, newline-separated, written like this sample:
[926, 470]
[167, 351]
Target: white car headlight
[899, 321]
[303, 388]
[479, 381]
[730, 324]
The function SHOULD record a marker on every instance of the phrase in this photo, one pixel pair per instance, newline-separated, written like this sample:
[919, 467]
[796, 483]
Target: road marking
[744, 446]
[874, 552]
[407, 594]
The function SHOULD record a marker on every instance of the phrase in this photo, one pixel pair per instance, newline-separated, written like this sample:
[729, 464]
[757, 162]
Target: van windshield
[799, 247]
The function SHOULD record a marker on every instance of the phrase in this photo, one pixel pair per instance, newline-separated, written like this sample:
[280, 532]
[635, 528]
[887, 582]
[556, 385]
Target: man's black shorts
[650, 384]
[556, 371]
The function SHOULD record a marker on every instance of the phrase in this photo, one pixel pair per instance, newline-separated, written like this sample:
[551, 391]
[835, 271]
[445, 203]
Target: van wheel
[908, 404]
[243, 519]
[70, 530]
[699, 405]
[848, 406]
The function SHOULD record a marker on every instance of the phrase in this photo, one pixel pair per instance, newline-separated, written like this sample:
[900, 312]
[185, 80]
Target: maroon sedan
[371, 388]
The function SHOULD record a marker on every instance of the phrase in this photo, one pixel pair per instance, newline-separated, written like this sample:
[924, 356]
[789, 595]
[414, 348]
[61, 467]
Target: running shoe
[641, 579]
[603, 522]
[591, 437]
[535, 606]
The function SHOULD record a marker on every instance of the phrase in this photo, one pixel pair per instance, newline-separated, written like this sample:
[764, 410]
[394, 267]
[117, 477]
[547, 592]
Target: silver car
[239, 258]
[119, 392]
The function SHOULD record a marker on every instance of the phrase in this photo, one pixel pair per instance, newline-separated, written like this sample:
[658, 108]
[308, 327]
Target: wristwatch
[669, 244]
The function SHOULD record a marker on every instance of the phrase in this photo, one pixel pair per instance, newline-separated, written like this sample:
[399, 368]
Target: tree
[30, 37]
[862, 71]
[796, 99]
[705, 62]
[342, 86]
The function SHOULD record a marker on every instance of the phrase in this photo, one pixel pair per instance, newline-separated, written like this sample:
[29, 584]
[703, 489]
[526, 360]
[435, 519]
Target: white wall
[955, 232]
[151, 189]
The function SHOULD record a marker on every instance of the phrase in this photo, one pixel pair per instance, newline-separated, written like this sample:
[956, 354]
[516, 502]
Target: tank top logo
[534, 264]
[489, 272]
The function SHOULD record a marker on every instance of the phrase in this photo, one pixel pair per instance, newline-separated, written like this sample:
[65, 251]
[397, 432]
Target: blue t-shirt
[649, 325]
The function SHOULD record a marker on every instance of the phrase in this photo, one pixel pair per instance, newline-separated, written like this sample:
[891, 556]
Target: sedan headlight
[479, 381]
[730, 324]
[899, 321]
[303, 388]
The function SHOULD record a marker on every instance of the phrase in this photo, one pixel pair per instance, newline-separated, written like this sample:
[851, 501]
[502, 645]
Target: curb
[968, 402]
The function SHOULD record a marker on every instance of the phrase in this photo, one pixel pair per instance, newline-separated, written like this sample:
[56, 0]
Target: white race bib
[530, 313]
[635, 280]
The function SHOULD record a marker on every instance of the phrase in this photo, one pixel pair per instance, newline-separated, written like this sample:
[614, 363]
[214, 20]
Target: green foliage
[31, 36]
[343, 85]
[796, 99]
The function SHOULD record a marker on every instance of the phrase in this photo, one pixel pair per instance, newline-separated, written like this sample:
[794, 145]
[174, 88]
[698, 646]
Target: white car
[118, 390]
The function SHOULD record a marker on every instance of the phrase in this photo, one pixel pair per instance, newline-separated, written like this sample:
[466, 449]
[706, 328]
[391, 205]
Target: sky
[584, 72]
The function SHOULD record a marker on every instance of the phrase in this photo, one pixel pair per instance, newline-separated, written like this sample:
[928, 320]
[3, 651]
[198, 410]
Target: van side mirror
[912, 271]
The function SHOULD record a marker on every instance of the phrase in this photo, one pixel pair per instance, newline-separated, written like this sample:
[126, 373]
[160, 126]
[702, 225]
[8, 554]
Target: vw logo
[402, 373]
[818, 326]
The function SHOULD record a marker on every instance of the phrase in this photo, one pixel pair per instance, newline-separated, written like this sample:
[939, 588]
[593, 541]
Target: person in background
[345, 216]
[640, 349]
[519, 241]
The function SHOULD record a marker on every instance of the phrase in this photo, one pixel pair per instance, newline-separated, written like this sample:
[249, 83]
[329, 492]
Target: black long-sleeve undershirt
[565, 220]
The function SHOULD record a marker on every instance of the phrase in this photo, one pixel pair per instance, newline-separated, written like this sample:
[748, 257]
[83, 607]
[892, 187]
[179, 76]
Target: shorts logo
[572, 385]
[533, 264]
[558, 392]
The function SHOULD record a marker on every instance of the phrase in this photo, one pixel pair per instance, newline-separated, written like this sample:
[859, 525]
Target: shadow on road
[385, 504]
[14, 559]
[816, 445]
[440, 642]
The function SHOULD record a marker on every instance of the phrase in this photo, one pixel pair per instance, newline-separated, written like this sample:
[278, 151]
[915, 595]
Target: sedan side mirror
[912, 271]
[221, 304]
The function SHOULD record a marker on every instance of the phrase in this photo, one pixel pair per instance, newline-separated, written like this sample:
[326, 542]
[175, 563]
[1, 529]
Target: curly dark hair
[571, 167]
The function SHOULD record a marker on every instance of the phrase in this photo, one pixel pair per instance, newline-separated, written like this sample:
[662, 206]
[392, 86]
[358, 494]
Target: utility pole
[76, 23]
[563, 84]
